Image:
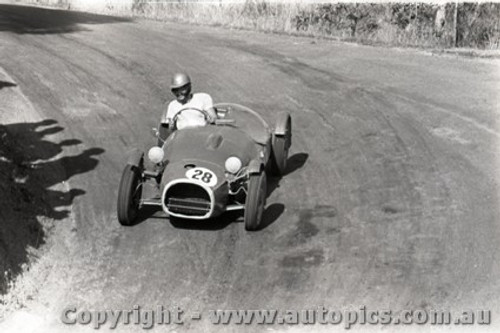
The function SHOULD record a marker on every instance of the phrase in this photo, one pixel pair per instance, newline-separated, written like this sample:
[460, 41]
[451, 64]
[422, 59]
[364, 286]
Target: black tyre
[281, 144]
[129, 195]
[255, 201]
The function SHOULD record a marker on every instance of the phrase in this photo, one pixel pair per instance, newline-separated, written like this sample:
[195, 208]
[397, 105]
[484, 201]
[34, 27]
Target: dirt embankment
[35, 198]
[21, 233]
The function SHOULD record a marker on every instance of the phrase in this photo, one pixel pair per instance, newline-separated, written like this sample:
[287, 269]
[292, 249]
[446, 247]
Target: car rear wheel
[282, 140]
[255, 201]
[129, 195]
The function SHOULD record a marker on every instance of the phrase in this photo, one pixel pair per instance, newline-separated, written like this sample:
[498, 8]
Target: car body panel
[212, 144]
[247, 120]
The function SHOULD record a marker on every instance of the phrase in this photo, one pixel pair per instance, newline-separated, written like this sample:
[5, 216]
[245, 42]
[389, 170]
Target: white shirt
[190, 117]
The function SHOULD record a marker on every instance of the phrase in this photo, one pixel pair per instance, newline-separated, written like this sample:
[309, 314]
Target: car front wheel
[281, 144]
[255, 201]
[129, 195]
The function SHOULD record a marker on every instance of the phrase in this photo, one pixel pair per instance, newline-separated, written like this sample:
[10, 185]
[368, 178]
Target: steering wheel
[204, 112]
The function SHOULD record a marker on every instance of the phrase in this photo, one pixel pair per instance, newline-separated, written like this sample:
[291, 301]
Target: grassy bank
[474, 25]
[417, 24]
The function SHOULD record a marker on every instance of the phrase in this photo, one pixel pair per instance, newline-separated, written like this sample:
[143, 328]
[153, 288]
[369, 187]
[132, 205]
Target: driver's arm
[209, 108]
[165, 128]
[168, 115]
[211, 112]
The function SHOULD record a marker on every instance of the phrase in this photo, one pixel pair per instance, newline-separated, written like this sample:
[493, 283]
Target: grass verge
[429, 25]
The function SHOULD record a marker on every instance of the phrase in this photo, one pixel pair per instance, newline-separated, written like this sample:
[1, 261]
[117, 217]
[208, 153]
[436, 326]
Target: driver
[189, 103]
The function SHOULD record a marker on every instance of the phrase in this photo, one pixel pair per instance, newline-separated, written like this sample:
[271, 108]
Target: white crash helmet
[180, 80]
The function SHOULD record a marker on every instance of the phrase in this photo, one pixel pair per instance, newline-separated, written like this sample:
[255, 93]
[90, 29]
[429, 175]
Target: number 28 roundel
[202, 175]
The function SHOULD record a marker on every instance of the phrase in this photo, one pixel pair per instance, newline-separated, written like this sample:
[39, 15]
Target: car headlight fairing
[233, 164]
[156, 154]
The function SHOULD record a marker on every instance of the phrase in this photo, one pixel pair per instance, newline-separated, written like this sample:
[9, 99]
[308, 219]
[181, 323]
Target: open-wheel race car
[199, 173]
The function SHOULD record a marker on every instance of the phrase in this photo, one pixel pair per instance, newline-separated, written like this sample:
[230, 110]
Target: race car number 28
[202, 175]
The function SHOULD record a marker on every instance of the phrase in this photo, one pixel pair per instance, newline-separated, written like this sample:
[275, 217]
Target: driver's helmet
[180, 80]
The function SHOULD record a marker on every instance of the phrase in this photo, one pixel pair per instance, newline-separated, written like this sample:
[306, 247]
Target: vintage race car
[199, 173]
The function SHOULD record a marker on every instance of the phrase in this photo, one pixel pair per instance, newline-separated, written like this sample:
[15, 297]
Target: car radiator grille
[188, 206]
[187, 199]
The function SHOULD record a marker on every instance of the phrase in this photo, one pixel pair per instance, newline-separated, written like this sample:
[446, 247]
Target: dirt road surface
[391, 199]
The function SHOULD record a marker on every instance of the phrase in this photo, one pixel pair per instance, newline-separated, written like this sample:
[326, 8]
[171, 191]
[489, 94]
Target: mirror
[221, 112]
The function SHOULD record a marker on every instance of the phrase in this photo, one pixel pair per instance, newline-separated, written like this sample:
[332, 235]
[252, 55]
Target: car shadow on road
[217, 223]
[145, 213]
[274, 211]
[6, 84]
[33, 20]
[35, 195]
[294, 163]
[271, 214]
